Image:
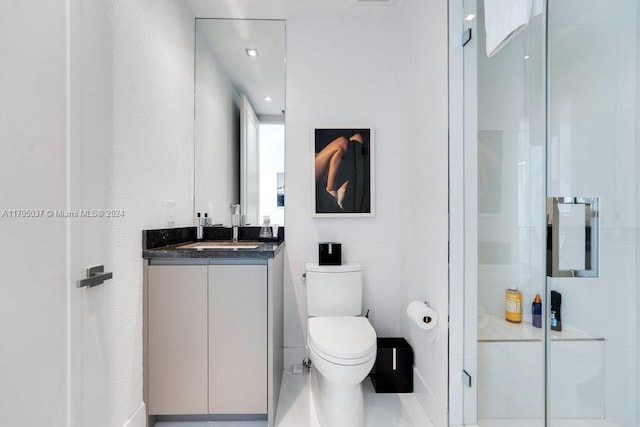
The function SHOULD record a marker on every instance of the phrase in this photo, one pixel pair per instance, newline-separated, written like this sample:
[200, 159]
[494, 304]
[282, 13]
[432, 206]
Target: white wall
[386, 69]
[359, 91]
[33, 135]
[425, 197]
[217, 134]
[153, 162]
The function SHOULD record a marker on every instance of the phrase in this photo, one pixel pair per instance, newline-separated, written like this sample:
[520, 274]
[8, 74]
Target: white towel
[503, 19]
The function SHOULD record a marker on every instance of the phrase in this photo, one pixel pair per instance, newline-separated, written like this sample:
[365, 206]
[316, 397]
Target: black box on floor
[393, 370]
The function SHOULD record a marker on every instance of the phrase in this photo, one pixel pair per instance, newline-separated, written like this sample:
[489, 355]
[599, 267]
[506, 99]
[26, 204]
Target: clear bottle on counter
[265, 230]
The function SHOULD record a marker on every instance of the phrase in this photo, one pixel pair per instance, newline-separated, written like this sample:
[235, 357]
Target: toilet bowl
[342, 350]
[342, 343]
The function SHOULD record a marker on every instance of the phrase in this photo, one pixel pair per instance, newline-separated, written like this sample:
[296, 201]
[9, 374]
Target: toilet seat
[339, 361]
[342, 340]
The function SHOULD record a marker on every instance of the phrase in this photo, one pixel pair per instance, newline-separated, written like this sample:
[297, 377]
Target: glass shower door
[592, 159]
[551, 122]
[509, 124]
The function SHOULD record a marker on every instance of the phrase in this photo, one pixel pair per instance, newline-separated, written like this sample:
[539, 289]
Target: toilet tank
[334, 290]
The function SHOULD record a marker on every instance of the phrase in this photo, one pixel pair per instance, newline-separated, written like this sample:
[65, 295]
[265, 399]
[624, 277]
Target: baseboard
[139, 417]
[426, 398]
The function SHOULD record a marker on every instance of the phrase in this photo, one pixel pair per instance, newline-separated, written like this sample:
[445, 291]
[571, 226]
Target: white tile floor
[539, 423]
[382, 410]
[296, 409]
[211, 424]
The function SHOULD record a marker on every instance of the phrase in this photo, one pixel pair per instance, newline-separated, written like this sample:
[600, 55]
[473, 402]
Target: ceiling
[288, 9]
[260, 24]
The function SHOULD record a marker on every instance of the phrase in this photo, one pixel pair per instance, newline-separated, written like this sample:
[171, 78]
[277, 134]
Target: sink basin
[214, 244]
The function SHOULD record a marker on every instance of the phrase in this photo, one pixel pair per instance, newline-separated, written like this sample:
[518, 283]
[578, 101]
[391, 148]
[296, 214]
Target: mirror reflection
[239, 119]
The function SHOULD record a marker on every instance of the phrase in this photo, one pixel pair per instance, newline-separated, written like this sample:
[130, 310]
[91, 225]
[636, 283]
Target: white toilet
[342, 343]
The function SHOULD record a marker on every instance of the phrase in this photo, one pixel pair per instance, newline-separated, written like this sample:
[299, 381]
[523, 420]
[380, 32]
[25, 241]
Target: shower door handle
[572, 221]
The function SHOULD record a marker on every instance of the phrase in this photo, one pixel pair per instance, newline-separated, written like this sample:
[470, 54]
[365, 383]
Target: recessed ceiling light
[268, 98]
[527, 57]
[251, 52]
[470, 17]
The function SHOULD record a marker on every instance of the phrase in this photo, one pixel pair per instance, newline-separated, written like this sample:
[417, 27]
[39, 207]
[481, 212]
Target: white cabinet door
[177, 313]
[238, 339]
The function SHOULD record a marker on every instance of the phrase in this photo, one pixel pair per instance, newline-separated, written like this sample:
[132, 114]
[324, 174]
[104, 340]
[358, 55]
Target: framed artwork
[343, 171]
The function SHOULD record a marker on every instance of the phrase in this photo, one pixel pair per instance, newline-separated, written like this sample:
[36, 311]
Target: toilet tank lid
[315, 267]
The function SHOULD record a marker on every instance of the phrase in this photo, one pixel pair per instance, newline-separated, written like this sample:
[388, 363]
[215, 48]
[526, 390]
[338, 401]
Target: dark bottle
[536, 311]
[556, 319]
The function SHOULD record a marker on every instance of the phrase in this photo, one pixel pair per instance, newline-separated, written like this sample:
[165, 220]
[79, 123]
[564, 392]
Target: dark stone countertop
[164, 243]
[265, 250]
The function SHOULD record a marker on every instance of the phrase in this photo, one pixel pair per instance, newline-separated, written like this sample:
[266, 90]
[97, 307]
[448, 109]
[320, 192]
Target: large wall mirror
[239, 119]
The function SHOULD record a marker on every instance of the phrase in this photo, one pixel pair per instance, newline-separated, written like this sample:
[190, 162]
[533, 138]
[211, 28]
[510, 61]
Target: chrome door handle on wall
[95, 276]
[562, 236]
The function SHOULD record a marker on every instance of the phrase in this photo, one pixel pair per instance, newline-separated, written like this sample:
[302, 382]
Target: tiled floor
[539, 423]
[296, 409]
[381, 410]
[211, 424]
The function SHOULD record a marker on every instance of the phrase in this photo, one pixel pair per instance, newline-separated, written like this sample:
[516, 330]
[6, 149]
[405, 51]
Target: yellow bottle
[513, 305]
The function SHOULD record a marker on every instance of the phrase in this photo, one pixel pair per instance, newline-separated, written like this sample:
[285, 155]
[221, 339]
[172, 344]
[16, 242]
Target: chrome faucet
[235, 221]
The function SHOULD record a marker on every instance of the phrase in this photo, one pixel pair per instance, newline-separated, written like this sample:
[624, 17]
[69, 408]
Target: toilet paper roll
[422, 315]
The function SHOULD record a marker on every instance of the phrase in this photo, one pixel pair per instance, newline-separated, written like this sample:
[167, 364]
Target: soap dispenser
[265, 230]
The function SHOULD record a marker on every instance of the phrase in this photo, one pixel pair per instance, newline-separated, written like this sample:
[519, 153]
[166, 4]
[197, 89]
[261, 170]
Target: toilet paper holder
[422, 315]
[427, 319]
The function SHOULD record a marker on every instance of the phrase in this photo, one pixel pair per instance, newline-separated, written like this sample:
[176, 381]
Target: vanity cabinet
[213, 337]
[177, 339]
[238, 339]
